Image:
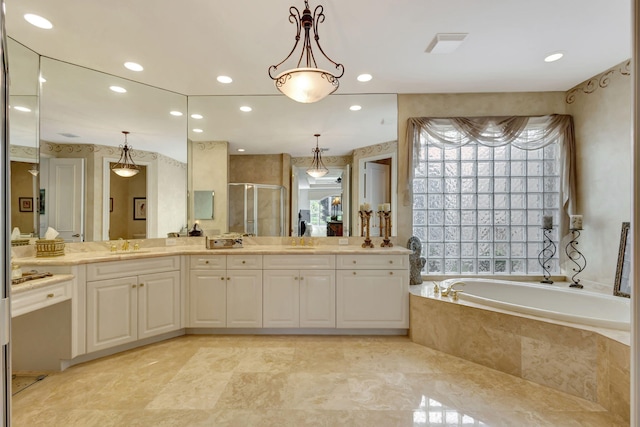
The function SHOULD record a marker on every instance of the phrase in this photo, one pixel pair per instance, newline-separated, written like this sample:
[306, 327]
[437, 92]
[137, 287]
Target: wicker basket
[49, 248]
[19, 242]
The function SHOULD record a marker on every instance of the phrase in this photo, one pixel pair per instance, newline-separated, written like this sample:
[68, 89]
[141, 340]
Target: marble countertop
[40, 283]
[90, 256]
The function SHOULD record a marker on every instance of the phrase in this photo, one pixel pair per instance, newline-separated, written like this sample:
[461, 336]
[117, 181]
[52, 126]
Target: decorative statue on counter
[196, 230]
[416, 262]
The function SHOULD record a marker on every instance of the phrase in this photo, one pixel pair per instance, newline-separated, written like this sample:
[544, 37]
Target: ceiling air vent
[446, 42]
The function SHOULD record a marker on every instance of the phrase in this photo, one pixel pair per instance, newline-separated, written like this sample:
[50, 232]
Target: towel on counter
[15, 234]
[51, 234]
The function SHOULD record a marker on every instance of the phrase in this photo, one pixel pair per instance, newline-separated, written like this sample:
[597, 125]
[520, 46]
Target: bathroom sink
[297, 248]
[139, 251]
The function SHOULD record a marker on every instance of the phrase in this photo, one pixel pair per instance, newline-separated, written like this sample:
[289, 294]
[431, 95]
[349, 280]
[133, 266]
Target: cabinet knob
[391, 273]
[301, 278]
[141, 284]
[244, 262]
[296, 278]
[222, 278]
[206, 262]
[133, 286]
[390, 261]
[354, 273]
[50, 295]
[354, 261]
[228, 278]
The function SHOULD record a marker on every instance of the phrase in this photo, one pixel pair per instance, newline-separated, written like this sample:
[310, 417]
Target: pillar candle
[387, 207]
[380, 208]
[575, 222]
[361, 208]
[547, 222]
[367, 207]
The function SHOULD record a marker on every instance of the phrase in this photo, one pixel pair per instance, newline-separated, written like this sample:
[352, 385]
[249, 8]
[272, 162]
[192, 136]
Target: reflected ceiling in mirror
[78, 107]
[276, 124]
[23, 100]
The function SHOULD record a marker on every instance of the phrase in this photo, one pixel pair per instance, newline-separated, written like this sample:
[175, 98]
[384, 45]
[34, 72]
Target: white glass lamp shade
[125, 172]
[317, 172]
[306, 85]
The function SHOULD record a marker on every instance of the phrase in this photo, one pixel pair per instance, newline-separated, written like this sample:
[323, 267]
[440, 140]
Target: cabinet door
[317, 299]
[158, 303]
[281, 291]
[372, 298]
[111, 312]
[244, 298]
[208, 299]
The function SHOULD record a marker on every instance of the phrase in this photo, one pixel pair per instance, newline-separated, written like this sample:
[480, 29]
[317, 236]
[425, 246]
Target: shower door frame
[256, 187]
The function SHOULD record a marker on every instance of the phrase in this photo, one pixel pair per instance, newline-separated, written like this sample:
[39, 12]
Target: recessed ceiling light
[118, 89]
[196, 116]
[355, 108]
[42, 79]
[197, 130]
[364, 77]
[241, 150]
[133, 66]
[24, 109]
[553, 57]
[38, 21]
[245, 108]
[224, 79]
[175, 113]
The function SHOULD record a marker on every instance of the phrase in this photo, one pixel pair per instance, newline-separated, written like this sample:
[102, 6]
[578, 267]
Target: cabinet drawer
[35, 299]
[240, 262]
[134, 267]
[372, 262]
[208, 262]
[297, 262]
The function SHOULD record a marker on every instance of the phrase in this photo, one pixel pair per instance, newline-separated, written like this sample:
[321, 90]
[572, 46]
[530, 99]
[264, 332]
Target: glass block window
[479, 209]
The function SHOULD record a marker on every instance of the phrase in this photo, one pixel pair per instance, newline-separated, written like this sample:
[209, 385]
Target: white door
[377, 190]
[281, 298]
[158, 303]
[317, 299]
[66, 198]
[207, 299]
[244, 299]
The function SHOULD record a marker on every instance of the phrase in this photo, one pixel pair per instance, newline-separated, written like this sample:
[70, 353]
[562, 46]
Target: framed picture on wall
[25, 204]
[139, 208]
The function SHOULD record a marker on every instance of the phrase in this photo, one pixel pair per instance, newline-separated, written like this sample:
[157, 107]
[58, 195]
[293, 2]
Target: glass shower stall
[256, 209]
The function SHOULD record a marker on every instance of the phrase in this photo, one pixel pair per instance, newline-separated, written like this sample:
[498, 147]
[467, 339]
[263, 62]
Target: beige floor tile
[204, 380]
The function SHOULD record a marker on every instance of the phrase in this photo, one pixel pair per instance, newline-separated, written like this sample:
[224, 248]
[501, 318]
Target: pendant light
[33, 170]
[307, 83]
[317, 169]
[125, 166]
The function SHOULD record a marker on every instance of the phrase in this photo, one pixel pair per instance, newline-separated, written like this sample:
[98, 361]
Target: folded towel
[51, 234]
[15, 234]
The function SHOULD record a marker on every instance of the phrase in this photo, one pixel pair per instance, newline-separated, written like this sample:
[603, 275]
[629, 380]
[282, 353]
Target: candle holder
[365, 218]
[546, 254]
[576, 257]
[385, 228]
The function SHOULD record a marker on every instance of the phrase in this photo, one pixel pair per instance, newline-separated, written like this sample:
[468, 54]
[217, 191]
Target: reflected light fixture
[33, 170]
[125, 166]
[317, 169]
[306, 83]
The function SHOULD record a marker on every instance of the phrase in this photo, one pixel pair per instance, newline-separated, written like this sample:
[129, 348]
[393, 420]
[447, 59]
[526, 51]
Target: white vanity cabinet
[299, 291]
[372, 291]
[225, 291]
[132, 300]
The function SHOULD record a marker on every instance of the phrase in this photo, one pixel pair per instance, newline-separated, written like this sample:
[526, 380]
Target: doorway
[128, 205]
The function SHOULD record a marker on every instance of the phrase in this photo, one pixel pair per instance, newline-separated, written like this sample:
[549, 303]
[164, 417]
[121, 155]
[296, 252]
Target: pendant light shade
[33, 170]
[125, 167]
[306, 83]
[317, 169]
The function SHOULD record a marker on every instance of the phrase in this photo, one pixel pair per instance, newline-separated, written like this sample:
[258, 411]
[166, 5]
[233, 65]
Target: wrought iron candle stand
[385, 228]
[576, 257]
[365, 218]
[546, 254]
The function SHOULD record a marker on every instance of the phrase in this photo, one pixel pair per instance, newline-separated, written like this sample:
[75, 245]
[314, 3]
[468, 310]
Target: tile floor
[205, 380]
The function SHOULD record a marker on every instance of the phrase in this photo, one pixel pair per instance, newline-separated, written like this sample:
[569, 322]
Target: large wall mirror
[23, 137]
[268, 141]
[73, 135]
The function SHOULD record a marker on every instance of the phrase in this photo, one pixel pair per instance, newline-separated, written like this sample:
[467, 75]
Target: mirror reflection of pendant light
[307, 83]
[33, 170]
[317, 169]
[125, 166]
